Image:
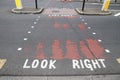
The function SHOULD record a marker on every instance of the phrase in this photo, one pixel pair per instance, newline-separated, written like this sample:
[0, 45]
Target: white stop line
[118, 14]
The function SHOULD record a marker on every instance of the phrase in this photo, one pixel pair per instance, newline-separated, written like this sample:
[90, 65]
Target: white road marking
[37, 19]
[106, 50]
[118, 14]
[85, 23]
[25, 39]
[29, 32]
[80, 17]
[94, 33]
[35, 22]
[19, 49]
[99, 40]
[89, 27]
[32, 27]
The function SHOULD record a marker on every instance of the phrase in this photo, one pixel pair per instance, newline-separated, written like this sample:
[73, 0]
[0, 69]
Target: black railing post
[36, 4]
[83, 5]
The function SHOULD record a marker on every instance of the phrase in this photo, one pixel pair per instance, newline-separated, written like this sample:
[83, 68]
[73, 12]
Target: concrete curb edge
[37, 11]
[94, 13]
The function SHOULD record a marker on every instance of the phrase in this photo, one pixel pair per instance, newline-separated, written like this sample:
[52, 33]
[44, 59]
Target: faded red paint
[56, 25]
[81, 26]
[39, 51]
[95, 47]
[85, 50]
[65, 26]
[56, 50]
[71, 50]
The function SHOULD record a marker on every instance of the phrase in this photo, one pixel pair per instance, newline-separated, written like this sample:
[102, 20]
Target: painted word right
[89, 64]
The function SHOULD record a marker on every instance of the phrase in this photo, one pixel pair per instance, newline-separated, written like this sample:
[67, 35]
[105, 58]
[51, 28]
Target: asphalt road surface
[59, 41]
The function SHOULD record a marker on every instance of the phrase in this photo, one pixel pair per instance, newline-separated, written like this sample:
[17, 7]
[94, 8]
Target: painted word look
[37, 63]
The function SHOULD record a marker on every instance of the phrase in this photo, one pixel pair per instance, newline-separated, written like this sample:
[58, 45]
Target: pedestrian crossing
[61, 16]
[88, 48]
[60, 12]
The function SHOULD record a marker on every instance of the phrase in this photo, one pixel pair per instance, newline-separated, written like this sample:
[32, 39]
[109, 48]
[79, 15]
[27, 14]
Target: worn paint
[84, 49]
[2, 63]
[39, 51]
[71, 50]
[56, 50]
[95, 48]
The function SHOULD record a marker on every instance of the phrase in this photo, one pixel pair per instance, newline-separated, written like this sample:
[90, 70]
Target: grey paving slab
[92, 77]
[71, 78]
[106, 77]
[23, 78]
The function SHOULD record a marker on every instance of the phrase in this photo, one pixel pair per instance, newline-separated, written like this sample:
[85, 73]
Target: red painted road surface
[57, 42]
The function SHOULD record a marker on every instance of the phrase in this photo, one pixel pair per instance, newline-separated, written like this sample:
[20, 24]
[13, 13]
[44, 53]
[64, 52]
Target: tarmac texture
[58, 42]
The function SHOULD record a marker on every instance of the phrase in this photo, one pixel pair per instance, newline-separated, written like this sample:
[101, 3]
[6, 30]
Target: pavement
[59, 43]
[93, 12]
[98, 77]
[27, 10]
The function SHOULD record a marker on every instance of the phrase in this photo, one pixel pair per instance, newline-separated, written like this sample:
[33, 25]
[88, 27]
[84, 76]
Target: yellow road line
[2, 63]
